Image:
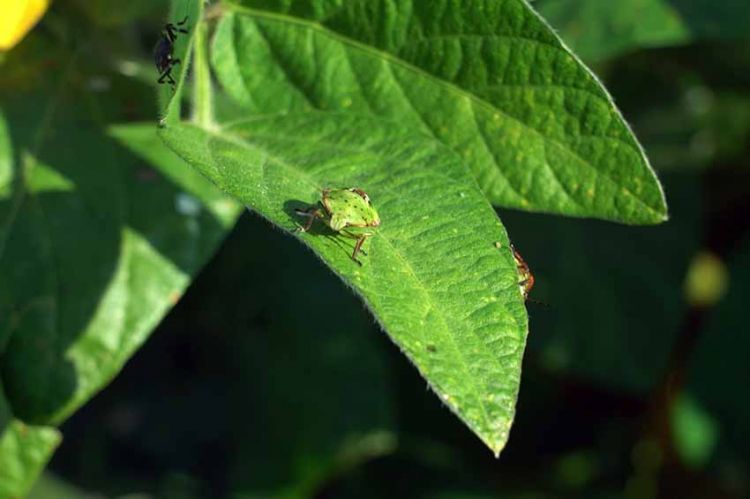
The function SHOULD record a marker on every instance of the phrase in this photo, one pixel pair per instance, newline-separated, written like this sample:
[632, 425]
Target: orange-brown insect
[525, 277]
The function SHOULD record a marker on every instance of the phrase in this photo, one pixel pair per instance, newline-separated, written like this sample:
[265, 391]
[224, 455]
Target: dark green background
[270, 378]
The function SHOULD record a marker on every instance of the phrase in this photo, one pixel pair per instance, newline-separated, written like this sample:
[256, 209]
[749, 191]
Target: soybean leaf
[95, 247]
[489, 79]
[24, 450]
[171, 99]
[433, 276]
[107, 246]
[599, 30]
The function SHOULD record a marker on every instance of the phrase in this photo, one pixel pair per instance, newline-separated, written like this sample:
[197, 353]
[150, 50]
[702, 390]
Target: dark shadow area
[705, 20]
[267, 361]
[318, 228]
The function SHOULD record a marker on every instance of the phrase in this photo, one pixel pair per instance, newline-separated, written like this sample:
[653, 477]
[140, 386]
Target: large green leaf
[24, 450]
[598, 29]
[488, 78]
[433, 276]
[95, 247]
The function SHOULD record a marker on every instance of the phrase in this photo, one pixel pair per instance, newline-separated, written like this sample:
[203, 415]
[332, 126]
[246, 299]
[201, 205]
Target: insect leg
[358, 245]
[311, 214]
[357, 248]
[169, 31]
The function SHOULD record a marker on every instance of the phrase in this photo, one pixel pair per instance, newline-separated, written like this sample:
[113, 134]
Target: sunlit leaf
[433, 275]
[488, 79]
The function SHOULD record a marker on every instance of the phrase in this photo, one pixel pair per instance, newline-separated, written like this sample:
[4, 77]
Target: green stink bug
[346, 211]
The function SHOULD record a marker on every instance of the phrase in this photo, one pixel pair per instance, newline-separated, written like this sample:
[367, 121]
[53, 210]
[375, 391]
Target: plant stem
[203, 113]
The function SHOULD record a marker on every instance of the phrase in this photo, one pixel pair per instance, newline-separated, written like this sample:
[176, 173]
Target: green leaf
[24, 450]
[433, 276]
[170, 100]
[488, 79]
[95, 247]
[599, 30]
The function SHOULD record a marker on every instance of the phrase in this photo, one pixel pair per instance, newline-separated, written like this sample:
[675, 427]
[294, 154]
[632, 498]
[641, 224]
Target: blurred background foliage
[269, 378]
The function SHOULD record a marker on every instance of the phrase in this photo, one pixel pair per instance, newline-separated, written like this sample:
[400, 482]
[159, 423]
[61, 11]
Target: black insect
[164, 50]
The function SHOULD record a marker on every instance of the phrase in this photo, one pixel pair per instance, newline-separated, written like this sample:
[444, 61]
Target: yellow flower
[17, 17]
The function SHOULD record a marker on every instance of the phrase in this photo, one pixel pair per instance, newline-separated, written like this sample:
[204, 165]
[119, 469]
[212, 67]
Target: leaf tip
[498, 445]
[661, 212]
[496, 442]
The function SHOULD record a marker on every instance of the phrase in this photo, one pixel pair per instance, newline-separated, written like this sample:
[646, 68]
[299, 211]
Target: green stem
[203, 113]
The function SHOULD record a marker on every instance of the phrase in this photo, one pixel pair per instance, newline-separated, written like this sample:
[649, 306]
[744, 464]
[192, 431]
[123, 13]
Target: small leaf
[433, 276]
[170, 99]
[489, 79]
[24, 451]
[598, 30]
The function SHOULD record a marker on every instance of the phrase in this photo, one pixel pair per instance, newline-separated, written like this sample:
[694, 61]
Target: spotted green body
[349, 208]
[346, 211]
